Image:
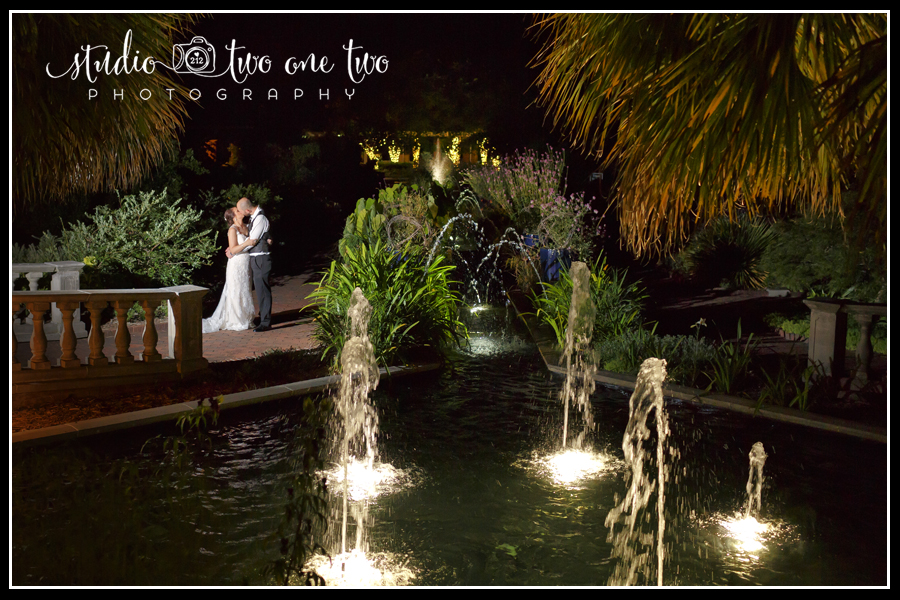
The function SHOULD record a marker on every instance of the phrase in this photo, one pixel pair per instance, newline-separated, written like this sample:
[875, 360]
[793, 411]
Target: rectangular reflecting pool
[472, 491]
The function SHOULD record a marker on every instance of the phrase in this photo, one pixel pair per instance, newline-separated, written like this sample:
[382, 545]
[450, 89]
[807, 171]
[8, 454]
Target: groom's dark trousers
[261, 265]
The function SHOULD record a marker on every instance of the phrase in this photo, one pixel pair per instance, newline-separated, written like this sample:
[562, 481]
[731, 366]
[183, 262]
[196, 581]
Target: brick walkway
[290, 329]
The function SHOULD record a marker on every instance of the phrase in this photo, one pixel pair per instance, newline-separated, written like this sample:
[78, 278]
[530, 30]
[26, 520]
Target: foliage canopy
[62, 142]
[702, 114]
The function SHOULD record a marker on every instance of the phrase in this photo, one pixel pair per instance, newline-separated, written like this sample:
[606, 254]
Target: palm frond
[64, 142]
[703, 114]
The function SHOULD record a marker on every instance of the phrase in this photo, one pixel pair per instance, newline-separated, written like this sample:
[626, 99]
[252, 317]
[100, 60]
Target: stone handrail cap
[183, 289]
[51, 296]
[88, 295]
[867, 309]
[67, 265]
[847, 306]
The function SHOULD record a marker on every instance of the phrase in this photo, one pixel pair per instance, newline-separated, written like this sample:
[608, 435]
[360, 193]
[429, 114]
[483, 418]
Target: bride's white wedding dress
[235, 311]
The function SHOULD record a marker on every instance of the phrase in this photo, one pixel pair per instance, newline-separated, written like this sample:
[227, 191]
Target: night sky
[490, 49]
[437, 72]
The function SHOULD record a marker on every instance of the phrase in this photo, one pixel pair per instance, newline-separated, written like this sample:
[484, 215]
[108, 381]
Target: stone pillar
[827, 335]
[186, 328]
[67, 277]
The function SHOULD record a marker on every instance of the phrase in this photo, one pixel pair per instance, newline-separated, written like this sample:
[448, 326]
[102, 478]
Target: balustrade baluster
[68, 342]
[95, 339]
[15, 345]
[151, 337]
[864, 346]
[39, 358]
[33, 277]
[44, 380]
[123, 336]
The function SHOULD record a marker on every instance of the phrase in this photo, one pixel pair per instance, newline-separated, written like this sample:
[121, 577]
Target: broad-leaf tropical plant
[413, 306]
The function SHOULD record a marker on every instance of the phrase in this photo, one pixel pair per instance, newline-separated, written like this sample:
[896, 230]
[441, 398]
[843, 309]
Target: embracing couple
[248, 253]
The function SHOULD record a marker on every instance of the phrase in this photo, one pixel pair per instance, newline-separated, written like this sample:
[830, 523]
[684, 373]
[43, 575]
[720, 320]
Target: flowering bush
[529, 188]
[569, 222]
[519, 184]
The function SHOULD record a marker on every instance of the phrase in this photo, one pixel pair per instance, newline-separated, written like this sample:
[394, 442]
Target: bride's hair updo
[229, 216]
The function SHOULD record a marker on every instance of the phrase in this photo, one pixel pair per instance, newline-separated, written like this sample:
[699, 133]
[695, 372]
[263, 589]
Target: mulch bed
[221, 378]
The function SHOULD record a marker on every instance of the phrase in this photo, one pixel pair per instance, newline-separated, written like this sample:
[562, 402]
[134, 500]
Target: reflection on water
[477, 501]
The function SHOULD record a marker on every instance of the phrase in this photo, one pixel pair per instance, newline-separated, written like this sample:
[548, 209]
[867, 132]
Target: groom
[260, 261]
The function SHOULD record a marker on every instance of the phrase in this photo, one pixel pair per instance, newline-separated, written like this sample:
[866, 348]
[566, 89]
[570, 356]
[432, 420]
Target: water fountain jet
[629, 541]
[580, 369]
[754, 488]
[359, 376]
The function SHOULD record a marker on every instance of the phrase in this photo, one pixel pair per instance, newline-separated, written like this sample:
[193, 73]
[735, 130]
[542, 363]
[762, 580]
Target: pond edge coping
[546, 342]
[149, 416]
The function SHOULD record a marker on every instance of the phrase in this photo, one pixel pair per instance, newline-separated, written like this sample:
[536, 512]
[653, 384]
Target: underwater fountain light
[569, 466]
[747, 533]
[356, 569]
[365, 482]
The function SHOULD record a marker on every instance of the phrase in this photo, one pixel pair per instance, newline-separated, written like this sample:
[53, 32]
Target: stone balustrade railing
[828, 335]
[39, 379]
[66, 276]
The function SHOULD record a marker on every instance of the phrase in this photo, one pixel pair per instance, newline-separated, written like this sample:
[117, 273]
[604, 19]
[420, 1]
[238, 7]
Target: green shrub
[412, 307]
[399, 215]
[45, 250]
[137, 313]
[790, 385]
[812, 254]
[728, 253]
[688, 358]
[618, 303]
[520, 184]
[148, 241]
[800, 326]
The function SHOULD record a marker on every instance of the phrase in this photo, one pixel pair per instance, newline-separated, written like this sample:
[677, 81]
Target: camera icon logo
[197, 57]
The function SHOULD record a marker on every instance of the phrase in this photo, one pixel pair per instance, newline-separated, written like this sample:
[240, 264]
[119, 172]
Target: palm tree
[705, 114]
[65, 141]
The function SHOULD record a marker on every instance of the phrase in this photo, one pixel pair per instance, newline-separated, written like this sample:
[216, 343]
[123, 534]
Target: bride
[235, 311]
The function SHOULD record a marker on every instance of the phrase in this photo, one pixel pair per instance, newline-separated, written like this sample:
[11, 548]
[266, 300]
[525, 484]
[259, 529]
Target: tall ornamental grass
[618, 303]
